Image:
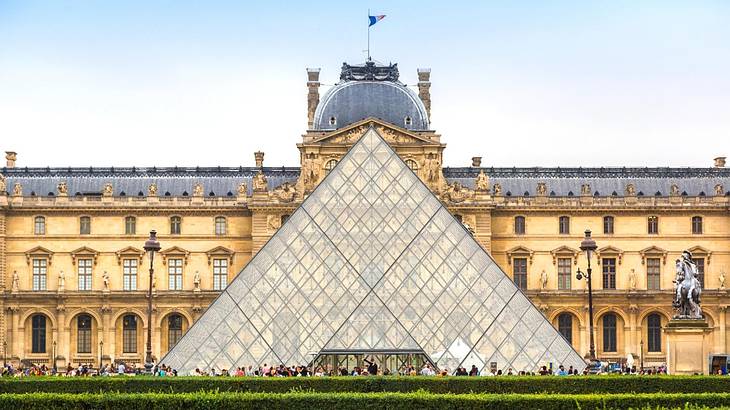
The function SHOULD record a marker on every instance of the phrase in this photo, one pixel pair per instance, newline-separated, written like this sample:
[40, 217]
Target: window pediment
[83, 251]
[520, 251]
[38, 251]
[653, 251]
[565, 251]
[701, 252]
[173, 252]
[129, 252]
[220, 252]
[609, 251]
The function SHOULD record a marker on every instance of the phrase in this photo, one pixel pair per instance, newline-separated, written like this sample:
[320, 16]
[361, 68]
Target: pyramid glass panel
[372, 262]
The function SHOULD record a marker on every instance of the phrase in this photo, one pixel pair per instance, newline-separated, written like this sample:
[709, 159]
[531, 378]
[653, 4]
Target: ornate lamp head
[152, 244]
[588, 244]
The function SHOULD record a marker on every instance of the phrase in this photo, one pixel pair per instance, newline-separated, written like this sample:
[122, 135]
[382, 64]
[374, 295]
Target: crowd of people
[369, 368]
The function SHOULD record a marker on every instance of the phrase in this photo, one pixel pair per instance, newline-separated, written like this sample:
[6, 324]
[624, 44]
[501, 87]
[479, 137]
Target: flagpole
[368, 34]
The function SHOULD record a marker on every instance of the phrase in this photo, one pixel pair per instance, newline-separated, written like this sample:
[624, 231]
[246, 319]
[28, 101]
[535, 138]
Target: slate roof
[224, 181]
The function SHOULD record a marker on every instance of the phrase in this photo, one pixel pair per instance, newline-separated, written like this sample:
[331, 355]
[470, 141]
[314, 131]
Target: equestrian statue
[687, 289]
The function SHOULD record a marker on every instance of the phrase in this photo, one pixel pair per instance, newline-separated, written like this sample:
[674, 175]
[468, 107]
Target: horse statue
[687, 289]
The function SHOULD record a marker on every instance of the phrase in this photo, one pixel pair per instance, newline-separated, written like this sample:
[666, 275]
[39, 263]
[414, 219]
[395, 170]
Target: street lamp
[54, 358]
[101, 354]
[5, 353]
[641, 356]
[151, 245]
[589, 245]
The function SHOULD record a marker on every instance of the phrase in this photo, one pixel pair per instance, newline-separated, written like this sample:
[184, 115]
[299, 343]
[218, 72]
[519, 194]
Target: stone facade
[211, 221]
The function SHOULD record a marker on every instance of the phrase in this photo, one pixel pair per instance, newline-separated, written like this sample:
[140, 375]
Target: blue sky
[640, 83]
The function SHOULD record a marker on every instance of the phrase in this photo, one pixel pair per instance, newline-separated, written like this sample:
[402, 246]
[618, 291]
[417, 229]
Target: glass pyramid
[372, 261]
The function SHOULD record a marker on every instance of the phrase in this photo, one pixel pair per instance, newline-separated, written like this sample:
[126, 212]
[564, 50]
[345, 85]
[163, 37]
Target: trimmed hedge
[356, 401]
[455, 385]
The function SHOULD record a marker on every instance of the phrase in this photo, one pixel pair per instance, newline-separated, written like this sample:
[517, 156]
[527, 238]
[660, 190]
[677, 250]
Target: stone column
[61, 336]
[721, 340]
[108, 332]
[15, 347]
[631, 342]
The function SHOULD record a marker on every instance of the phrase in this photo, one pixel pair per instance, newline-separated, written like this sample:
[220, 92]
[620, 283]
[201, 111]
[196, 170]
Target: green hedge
[456, 385]
[356, 401]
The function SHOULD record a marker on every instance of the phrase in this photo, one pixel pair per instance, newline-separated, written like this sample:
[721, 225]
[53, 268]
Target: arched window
[333, 121]
[175, 225]
[284, 218]
[609, 332]
[83, 334]
[608, 225]
[696, 225]
[459, 218]
[519, 225]
[329, 166]
[408, 121]
[654, 332]
[130, 225]
[174, 330]
[129, 334]
[40, 225]
[85, 225]
[38, 336]
[564, 225]
[220, 225]
[412, 164]
[565, 326]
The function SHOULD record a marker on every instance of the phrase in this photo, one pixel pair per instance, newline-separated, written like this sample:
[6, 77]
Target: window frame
[653, 273]
[132, 225]
[85, 272]
[84, 225]
[130, 274]
[221, 225]
[610, 333]
[175, 225]
[566, 329]
[40, 274]
[129, 334]
[697, 225]
[39, 333]
[563, 274]
[174, 334]
[412, 164]
[700, 261]
[175, 273]
[609, 268]
[519, 272]
[220, 273]
[39, 225]
[520, 225]
[654, 333]
[83, 334]
[609, 222]
[652, 225]
[330, 165]
[564, 225]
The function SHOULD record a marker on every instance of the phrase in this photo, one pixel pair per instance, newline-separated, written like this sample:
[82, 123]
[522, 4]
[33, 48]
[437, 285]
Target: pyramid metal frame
[372, 261]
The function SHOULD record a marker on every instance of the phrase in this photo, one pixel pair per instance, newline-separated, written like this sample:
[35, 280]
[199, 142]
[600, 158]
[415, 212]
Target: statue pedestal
[688, 346]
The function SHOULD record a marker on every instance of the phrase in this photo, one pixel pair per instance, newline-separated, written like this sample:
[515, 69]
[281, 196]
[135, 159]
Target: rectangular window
[130, 225]
[220, 274]
[700, 262]
[84, 270]
[40, 269]
[653, 271]
[564, 225]
[609, 333]
[697, 225]
[564, 273]
[609, 273]
[174, 274]
[653, 225]
[40, 225]
[519, 272]
[85, 225]
[129, 274]
[608, 225]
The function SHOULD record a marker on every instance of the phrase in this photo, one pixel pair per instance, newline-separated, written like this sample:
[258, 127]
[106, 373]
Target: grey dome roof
[352, 100]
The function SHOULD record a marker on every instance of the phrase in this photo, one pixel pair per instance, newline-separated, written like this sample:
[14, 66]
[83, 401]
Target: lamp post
[152, 245]
[101, 354]
[588, 245]
[5, 353]
[641, 356]
[54, 357]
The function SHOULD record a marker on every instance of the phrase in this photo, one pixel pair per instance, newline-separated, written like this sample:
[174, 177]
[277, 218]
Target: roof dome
[370, 90]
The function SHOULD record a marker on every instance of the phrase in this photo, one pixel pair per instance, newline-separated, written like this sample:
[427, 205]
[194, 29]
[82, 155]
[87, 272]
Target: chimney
[719, 162]
[259, 159]
[11, 156]
[476, 162]
[424, 89]
[313, 96]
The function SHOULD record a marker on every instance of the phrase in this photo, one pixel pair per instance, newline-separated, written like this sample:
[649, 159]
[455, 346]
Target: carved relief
[62, 188]
[108, 189]
[674, 190]
[311, 166]
[152, 190]
[482, 182]
[198, 189]
[630, 190]
[431, 166]
[273, 222]
[3, 185]
[242, 189]
[17, 189]
[260, 184]
[719, 190]
[286, 192]
[497, 189]
[541, 189]
[585, 189]
[457, 193]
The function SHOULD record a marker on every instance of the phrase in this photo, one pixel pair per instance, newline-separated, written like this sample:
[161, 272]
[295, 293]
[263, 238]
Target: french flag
[375, 19]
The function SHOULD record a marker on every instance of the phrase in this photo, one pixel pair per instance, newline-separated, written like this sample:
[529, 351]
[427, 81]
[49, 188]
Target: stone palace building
[73, 275]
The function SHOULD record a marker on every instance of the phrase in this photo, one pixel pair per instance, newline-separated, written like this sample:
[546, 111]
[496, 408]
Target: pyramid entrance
[388, 362]
[372, 262]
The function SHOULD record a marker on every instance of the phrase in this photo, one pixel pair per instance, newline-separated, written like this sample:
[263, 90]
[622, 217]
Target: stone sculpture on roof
[62, 188]
[482, 182]
[630, 190]
[541, 189]
[719, 190]
[152, 190]
[3, 184]
[108, 189]
[585, 189]
[17, 189]
[198, 189]
[674, 190]
[260, 184]
[286, 192]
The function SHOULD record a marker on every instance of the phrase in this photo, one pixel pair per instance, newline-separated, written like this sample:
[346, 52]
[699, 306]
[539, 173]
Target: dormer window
[408, 121]
[333, 121]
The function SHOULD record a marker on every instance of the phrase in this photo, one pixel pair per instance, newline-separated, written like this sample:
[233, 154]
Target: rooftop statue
[687, 289]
